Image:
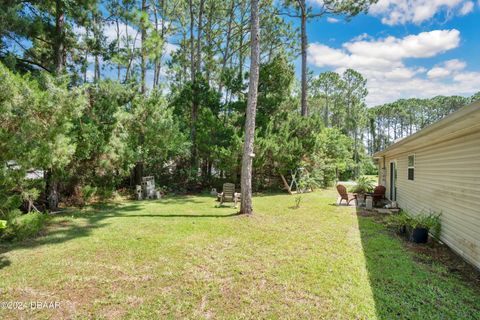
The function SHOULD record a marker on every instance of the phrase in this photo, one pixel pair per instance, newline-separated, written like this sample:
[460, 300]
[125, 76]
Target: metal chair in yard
[348, 197]
[228, 194]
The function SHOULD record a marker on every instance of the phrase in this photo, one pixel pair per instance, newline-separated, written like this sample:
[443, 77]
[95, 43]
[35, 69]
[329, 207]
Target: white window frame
[411, 167]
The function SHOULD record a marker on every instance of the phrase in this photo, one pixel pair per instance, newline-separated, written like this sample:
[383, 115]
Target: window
[411, 167]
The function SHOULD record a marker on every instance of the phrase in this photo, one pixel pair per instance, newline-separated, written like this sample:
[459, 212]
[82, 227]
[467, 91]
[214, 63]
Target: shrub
[430, 221]
[105, 193]
[21, 227]
[399, 221]
[364, 185]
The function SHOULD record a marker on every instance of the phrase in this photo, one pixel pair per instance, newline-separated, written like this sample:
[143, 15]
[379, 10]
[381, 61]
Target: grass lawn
[181, 257]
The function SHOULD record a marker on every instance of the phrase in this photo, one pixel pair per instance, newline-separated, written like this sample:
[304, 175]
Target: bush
[20, 227]
[430, 221]
[368, 167]
[363, 185]
[399, 221]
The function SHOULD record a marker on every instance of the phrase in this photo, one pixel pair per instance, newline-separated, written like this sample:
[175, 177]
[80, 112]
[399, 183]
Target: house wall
[447, 180]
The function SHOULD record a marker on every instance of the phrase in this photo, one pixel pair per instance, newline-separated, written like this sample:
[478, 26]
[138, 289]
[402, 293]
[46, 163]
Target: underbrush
[23, 226]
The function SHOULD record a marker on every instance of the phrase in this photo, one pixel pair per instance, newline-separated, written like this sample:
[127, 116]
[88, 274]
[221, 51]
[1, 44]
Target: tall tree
[304, 43]
[325, 87]
[143, 54]
[347, 8]
[59, 46]
[247, 158]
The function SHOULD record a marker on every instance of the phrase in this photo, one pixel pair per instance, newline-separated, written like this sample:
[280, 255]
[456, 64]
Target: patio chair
[378, 194]
[348, 197]
[228, 194]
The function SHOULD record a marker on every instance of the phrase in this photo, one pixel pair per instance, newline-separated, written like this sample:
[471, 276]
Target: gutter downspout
[383, 175]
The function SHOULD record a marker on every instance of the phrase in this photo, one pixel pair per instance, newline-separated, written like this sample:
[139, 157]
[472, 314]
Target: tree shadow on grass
[4, 262]
[270, 194]
[71, 224]
[74, 223]
[184, 215]
[406, 287]
[180, 199]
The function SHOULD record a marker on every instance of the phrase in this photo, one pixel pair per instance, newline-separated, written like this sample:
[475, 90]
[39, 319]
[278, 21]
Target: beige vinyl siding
[447, 180]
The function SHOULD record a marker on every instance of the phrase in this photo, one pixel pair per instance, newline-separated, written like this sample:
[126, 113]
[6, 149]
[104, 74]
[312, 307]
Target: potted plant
[362, 187]
[400, 222]
[422, 224]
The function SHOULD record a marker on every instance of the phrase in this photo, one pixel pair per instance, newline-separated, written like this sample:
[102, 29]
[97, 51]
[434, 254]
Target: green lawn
[182, 257]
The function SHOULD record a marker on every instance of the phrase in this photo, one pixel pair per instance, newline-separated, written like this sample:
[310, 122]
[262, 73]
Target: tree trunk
[285, 183]
[51, 187]
[240, 46]
[96, 73]
[117, 25]
[355, 154]
[159, 55]
[144, 49]
[59, 46]
[193, 71]
[227, 45]
[327, 111]
[96, 35]
[247, 159]
[198, 62]
[209, 44]
[304, 40]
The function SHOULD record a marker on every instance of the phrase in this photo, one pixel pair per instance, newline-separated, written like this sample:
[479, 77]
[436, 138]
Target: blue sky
[405, 48]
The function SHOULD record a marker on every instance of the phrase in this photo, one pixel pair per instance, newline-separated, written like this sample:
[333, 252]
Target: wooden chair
[228, 194]
[378, 194]
[348, 197]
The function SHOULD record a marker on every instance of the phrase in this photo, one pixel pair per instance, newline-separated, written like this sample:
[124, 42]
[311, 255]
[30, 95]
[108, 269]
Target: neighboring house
[438, 169]
[32, 174]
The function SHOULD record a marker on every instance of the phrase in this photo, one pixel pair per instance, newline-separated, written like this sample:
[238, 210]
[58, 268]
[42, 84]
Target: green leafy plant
[298, 200]
[19, 226]
[363, 185]
[88, 192]
[429, 221]
[29, 196]
[399, 221]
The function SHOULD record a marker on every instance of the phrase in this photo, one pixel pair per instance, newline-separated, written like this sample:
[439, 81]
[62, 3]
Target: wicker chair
[348, 197]
[378, 194]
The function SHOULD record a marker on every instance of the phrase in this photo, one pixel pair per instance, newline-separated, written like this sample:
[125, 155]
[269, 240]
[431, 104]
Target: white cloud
[394, 12]
[471, 77]
[384, 53]
[467, 8]
[438, 72]
[332, 20]
[382, 62]
[455, 64]
[170, 48]
[425, 44]
[446, 69]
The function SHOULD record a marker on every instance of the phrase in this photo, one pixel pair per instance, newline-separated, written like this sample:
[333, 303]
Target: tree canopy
[97, 94]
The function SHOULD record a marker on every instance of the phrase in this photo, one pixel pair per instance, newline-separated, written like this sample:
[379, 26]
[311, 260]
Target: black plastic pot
[420, 235]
